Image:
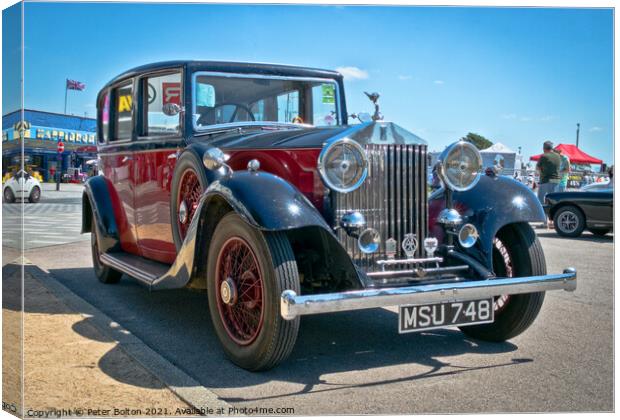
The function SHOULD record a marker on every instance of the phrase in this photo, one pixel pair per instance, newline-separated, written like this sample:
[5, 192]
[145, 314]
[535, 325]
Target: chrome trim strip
[417, 272]
[410, 261]
[292, 306]
[130, 270]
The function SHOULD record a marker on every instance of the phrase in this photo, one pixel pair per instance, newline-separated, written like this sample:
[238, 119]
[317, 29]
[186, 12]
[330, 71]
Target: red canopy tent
[575, 155]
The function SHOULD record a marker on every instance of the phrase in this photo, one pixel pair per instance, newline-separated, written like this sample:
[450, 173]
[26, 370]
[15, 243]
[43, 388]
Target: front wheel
[516, 253]
[35, 195]
[247, 272]
[8, 195]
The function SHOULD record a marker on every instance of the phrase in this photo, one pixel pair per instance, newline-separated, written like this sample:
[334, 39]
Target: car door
[117, 158]
[159, 140]
[599, 208]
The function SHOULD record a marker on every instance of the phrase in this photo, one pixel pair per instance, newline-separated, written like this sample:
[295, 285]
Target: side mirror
[171, 109]
[364, 117]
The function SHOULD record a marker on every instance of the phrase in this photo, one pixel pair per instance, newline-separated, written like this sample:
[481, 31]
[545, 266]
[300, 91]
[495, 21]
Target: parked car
[574, 211]
[248, 181]
[598, 186]
[21, 186]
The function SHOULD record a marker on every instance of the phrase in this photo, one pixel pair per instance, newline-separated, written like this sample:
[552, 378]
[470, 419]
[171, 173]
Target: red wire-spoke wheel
[503, 267]
[247, 272]
[187, 200]
[240, 285]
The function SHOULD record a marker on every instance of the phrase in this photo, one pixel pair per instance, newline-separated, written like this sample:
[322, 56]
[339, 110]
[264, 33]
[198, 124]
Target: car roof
[228, 67]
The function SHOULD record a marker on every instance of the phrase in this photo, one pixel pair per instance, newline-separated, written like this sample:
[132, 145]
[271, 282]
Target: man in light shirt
[564, 171]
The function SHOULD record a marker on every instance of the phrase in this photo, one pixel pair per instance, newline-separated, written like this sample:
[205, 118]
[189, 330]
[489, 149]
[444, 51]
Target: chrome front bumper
[293, 306]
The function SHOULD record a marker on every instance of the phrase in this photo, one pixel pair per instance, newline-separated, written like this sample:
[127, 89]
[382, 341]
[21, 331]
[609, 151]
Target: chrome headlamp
[459, 166]
[343, 165]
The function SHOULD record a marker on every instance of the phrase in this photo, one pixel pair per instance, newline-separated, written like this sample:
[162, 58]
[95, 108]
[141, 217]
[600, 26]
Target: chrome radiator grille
[393, 200]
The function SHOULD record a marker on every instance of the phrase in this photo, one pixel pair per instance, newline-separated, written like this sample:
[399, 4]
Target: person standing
[548, 168]
[564, 171]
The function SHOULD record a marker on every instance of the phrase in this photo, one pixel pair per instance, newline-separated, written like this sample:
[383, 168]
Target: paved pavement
[356, 362]
[56, 219]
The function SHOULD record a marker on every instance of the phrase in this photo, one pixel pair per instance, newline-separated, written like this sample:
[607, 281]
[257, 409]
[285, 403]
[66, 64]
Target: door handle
[127, 159]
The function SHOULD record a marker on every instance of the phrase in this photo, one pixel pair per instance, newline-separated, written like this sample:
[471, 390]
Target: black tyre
[35, 195]
[599, 231]
[516, 253]
[8, 195]
[104, 273]
[247, 272]
[188, 184]
[569, 221]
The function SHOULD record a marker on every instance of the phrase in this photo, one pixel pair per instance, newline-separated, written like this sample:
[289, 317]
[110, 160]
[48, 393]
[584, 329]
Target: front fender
[496, 201]
[266, 201]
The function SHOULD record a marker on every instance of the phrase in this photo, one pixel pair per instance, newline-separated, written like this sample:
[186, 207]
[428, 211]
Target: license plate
[439, 315]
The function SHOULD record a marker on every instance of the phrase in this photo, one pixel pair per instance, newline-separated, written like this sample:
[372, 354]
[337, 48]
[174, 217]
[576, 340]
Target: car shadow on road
[177, 325]
[585, 237]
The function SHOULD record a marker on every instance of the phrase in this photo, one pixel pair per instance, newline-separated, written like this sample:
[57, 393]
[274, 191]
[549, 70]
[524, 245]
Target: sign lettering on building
[46, 133]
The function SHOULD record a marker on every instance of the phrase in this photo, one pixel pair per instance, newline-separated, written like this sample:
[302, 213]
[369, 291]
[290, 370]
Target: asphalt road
[356, 362]
[55, 219]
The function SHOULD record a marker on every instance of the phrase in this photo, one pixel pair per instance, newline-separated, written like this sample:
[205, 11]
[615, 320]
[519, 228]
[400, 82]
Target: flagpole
[66, 91]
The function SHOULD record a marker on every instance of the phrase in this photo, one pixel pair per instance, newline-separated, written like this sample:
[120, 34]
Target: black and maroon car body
[247, 180]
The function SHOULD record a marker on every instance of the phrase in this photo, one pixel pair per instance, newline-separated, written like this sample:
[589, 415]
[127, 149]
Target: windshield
[225, 99]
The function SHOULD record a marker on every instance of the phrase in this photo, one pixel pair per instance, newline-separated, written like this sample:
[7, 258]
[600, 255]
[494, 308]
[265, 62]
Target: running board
[143, 270]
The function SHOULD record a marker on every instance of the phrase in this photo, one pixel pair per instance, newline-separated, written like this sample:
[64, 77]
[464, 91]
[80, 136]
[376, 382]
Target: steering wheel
[234, 114]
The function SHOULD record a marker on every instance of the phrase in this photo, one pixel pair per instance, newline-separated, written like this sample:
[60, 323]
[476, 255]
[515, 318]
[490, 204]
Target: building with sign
[42, 132]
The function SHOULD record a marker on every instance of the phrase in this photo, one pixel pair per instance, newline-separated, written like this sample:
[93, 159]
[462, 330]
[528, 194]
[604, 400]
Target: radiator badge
[390, 248]
[409, 245]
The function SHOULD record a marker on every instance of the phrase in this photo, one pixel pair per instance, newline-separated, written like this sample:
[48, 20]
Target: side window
[123, 102]
[160, 91]
[105, 118]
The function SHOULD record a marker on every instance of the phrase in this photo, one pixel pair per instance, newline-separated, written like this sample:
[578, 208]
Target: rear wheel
[599, 231]
[104, 273]
[8, 195]
[569, 221]
[247, 272]
[35, 195]
[516, 253]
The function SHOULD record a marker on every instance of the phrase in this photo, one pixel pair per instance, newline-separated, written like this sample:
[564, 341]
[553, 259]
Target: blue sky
[516, 76]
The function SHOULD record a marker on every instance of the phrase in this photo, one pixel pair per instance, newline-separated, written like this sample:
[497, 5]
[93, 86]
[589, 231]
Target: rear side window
[160, 91]
[123, 105]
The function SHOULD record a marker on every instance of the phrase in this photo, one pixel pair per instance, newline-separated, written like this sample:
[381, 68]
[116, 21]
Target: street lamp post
[61, 148]
[577, 143]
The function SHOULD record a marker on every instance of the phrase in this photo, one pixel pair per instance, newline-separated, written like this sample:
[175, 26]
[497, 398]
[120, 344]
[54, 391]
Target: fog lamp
[468, 235]
[368, 241]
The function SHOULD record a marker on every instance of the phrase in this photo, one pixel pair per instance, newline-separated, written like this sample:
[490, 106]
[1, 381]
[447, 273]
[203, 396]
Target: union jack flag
[75, 85]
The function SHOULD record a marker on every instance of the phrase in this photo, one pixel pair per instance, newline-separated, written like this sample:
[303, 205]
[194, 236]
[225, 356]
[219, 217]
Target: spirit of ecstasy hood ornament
[374, 97]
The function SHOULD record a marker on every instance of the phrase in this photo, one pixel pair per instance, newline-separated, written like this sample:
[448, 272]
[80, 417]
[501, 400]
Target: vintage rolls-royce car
[248, 181]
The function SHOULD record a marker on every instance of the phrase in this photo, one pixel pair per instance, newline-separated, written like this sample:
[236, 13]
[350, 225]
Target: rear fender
[98, 213]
